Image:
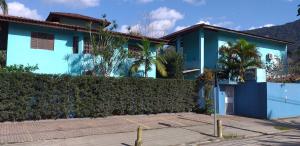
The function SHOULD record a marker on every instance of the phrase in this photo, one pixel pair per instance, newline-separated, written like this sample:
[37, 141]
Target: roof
[172, 36]
[22, 20]
[54, 15]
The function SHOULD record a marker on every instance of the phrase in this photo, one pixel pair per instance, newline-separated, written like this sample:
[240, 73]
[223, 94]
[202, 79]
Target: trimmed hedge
[25, 96]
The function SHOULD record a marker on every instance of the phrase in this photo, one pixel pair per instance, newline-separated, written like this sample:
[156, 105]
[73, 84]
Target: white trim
[201, 50]
[189, 71]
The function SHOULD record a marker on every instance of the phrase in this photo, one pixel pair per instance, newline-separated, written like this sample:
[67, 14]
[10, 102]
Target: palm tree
[147, 59]
[237, 58]
[4, 7]
[174, 63]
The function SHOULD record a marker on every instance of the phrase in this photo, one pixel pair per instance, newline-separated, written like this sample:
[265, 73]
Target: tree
[237, 58]
[147, 59]
[4, 7]
[173, 63]
[107, 50]
[205, 83]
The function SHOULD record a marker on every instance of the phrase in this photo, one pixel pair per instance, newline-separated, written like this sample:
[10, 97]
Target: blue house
[199, 45]
[48, 44]
[63, 38]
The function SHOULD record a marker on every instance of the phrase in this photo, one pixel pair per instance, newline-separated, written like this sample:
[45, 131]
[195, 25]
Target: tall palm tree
[147, 59]
[4, 7]
[237, 58]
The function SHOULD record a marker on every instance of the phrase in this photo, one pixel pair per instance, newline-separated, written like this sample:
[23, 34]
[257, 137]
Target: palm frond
[161, 68]
[4, 7]
[135, 66]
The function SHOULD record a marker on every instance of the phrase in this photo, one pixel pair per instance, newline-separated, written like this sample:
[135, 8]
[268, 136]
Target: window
[42, 41]
[75, 44]
[87, 46]
[134, 50]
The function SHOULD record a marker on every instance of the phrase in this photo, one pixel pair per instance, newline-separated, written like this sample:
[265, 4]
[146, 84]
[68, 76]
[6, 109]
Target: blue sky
[168, 15]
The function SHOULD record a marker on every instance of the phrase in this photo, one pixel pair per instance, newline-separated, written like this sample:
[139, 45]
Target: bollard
[138, 141]
[219, 129]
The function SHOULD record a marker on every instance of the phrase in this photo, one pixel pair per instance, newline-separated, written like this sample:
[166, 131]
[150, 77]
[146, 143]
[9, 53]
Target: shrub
[174, 65]
[205, 83]
[26, 96]
[19, 68]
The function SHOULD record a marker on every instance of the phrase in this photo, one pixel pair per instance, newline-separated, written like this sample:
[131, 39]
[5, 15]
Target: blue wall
[264, 46]
[221, 100]
[61, 60]
[191, 53]
[283, 100]
[191, 50]
[267, 100]
[210, 49]
[250, 99]
[19, 50]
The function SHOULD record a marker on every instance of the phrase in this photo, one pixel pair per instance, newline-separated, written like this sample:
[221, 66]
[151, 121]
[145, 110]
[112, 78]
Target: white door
[229, 100]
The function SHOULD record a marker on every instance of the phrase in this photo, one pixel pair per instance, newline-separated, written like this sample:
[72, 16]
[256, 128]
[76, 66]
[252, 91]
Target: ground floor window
[87, 46]
[41, 40]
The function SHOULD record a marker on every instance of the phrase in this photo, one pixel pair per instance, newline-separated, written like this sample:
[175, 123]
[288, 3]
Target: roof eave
[172, 36]
[26, 21]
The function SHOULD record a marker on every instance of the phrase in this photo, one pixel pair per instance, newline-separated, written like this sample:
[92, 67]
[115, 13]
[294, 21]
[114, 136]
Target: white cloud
[203, 22]
[224, 24]
[19, 9]
[163, 20]
[219, 24]
[237, 28]
[134, 28]
[178, 28]
[195, 2]
[192, 2]
[166, 13]
[77, 3]
[160, 21]
[145, 1]
[266, 25]
[124, 29]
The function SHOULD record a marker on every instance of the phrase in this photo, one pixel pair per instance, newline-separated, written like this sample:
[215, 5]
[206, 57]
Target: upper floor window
[75, 44]
[87, 46]
[134, 50]
[42, 41]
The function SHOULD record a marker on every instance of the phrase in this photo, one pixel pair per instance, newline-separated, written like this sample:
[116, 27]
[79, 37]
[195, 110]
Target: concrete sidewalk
[159, 130]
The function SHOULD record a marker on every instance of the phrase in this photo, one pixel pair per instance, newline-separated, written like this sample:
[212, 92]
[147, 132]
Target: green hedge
[33, 97]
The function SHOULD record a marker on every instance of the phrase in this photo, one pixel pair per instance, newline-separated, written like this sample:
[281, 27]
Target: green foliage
[147, 59]
[108, 54]
[2, 58]
[19, 68]
[25, 96]
[205, 83]
[237, 58]
[4, 7]
[280, 72]
[174, 64]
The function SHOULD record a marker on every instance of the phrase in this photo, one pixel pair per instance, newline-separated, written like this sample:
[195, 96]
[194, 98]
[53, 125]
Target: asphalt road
[290, 138]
